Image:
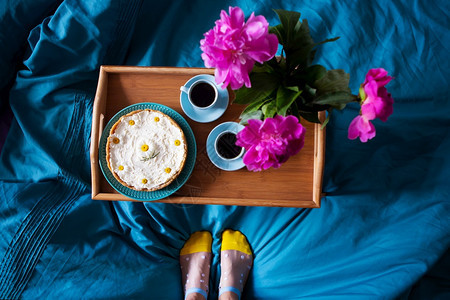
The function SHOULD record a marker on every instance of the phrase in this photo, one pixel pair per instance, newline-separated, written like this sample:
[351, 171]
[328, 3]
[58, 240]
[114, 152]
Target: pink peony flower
[271, 142]
[378, 75]
[376, 103]
[233, 46]
[361, 127]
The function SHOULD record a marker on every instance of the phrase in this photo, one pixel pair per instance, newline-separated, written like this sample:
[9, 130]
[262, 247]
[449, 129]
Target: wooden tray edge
[98, 113]
[319, 159]
[213, 201]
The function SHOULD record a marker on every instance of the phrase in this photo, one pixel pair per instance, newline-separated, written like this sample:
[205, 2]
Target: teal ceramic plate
[178, 182]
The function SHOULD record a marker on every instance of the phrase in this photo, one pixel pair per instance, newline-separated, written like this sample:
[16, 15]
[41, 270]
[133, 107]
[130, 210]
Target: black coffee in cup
[203, 94]
[226, 146]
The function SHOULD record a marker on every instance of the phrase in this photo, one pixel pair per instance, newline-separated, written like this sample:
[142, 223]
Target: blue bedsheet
[383, 230]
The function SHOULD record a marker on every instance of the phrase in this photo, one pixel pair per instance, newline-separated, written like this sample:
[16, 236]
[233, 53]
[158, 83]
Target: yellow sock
[199, 241]
[235, 240]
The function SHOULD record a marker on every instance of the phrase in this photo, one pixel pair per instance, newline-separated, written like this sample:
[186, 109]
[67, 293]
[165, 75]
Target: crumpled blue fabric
[383, 230]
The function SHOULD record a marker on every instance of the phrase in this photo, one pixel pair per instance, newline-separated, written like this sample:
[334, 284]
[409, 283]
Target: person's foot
[195, 260]
[236, 262]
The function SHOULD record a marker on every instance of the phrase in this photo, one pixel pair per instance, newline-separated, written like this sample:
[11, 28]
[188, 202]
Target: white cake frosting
[146, 149]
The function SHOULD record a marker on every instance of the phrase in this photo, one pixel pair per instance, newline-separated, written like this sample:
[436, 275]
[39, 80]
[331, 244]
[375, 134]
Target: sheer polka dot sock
[195, 260]
[236, 261]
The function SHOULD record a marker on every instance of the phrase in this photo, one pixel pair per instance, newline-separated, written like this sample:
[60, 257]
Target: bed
[383, 228]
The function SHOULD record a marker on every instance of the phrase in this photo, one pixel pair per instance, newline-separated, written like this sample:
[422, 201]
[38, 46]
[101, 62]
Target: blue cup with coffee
[202, 94]
[202, 99]
[225, 146]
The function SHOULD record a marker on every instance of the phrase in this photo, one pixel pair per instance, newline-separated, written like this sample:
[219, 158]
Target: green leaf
[269, 109]
[256, 105]
[263, 84]
[293, 88]
[327, 119]
[307, 77]
[311, 91]
[262, 68]
[279, 32]
[301, 51]
[311, 56]
[314, 73]
[310, 116]
[289, 20]
[294, 110]
[334, 98]
[250, 115]
[333, 81]
[285, 98]
[362, 93]
[328, 41]
[302, 36]
[299, 58]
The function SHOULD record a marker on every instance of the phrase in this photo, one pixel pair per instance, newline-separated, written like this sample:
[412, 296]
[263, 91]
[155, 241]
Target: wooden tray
[298, 183]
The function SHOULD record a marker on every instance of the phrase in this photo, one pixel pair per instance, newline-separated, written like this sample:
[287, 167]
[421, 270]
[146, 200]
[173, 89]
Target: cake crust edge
[162, 185]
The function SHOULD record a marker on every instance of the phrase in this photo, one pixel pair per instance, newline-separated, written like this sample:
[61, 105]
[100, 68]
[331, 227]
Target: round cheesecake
[146, 150]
